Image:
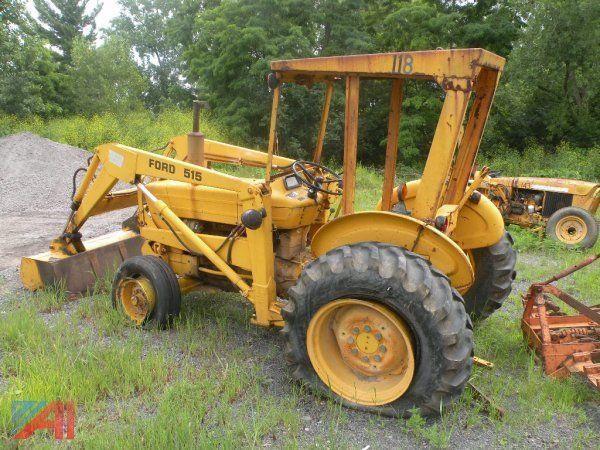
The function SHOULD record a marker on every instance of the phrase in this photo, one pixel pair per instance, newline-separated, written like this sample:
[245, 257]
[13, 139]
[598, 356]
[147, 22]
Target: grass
[146, 130]
[132, 386]
[141, 129]
[564, 161]
[215, 380]
[209, 381]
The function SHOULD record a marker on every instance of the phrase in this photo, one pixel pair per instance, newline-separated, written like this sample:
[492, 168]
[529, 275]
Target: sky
[110, 10]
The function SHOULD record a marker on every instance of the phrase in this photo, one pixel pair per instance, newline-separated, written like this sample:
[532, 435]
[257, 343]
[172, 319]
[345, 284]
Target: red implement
[565, 343]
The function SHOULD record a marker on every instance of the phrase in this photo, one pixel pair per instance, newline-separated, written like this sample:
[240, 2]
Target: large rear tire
[494, 274]
[574, 227]
[380, 329]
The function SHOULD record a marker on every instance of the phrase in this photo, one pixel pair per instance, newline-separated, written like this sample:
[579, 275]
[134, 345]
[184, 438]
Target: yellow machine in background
[564, 208]
[370, 302]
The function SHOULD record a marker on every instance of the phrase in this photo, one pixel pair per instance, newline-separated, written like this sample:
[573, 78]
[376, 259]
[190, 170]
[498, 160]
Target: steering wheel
[300, 170]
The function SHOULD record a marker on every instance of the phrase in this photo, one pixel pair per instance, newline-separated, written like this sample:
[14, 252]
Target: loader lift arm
[128, 164]
[102, 200]
[113, 163]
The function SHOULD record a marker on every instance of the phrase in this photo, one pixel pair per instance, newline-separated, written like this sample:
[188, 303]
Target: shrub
[565, 161]
[140, 129]
[146, 130]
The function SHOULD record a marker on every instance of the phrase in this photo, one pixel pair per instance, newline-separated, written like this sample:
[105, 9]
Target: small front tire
[146, 291]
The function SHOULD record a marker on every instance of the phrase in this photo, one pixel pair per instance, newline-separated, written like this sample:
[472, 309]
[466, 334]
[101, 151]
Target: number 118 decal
[403, 65]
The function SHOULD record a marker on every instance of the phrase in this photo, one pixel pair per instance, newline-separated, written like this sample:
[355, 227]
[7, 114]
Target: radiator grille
[555, 201]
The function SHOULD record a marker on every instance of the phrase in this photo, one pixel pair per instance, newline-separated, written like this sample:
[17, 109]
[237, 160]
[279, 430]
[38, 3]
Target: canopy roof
[430, 64]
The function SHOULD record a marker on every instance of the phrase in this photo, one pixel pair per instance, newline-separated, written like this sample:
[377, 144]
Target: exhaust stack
[196, 138]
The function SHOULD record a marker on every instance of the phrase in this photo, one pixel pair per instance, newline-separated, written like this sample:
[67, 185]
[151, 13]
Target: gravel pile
[35, 196]
[35, 173]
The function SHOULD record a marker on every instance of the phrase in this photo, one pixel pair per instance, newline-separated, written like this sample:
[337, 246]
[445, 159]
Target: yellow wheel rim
[571, 230]
[362, 350]
[137, 298]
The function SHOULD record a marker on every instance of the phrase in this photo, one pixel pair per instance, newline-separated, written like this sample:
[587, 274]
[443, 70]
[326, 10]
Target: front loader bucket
[79, 272]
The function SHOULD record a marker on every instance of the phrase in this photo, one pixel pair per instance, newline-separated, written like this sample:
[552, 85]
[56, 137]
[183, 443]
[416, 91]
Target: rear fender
[402, 231]
[479, 224]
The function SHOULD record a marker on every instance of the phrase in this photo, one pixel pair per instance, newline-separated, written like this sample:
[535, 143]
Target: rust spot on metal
[455, 84]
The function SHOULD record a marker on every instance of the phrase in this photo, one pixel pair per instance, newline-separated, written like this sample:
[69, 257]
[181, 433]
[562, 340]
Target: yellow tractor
[564, 208]
[371, 303]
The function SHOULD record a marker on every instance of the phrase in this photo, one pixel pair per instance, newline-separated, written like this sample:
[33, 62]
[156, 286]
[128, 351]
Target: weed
[565, 161]
[50, 299]
[437, 434]
[415, 422]
[140, 129]
[207, 383]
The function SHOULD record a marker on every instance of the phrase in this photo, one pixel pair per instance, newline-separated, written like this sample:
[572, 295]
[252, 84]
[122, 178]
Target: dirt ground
[35, 187]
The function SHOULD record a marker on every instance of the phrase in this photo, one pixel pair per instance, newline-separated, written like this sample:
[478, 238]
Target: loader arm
[113, 163]
[220, 152]
[176, 149]
[79, 266]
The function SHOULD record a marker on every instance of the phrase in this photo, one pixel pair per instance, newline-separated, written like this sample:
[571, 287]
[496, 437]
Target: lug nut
[378, 336]
[365, 359]
[367, 328]
[350, 340]
[382, 349]
[355, 330]
[377, 358]
[354, 351]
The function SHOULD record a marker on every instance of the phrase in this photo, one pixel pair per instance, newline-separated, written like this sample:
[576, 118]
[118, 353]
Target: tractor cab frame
[462, 74]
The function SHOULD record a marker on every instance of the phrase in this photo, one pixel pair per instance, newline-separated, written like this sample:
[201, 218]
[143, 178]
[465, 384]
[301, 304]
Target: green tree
[233, 43]
[339, 28]
[400, 25]
[229, 57]
[161, 51]
[149, 25]
[105, 78]
[491, 24]
[62, 22]
[29, 79]
[552, 81]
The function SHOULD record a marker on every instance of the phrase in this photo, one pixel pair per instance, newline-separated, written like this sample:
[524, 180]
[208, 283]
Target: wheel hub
[137, 298]
[571, 230]
[362, 350]
[364, 336]
[366, 343]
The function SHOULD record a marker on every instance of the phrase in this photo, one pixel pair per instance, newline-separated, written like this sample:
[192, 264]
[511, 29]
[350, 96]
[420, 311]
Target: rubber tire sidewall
[494, 275]
[164, 282]
[434, 383]
[592, 226]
